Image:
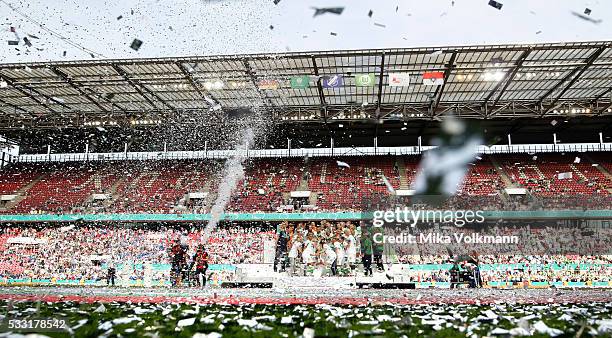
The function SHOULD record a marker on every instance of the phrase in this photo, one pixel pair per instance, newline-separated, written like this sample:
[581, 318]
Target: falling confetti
[586, 18]
[495, 4]
[332, 10]
[136, 44]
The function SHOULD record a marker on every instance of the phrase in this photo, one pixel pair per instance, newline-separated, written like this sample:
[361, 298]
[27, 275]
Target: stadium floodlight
[217, 84]
[494, 76]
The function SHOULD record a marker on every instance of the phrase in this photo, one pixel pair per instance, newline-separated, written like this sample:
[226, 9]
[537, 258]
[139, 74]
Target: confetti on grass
[330, 320]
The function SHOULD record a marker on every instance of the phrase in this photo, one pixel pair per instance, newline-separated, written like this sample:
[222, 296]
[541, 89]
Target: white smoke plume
[233, 172]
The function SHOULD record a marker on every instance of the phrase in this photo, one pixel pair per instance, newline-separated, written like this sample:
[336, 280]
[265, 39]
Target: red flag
[433, 78]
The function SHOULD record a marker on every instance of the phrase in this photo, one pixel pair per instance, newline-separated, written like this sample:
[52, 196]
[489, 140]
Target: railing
[310, 152]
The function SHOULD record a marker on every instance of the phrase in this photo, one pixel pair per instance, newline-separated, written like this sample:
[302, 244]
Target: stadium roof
[483, 82]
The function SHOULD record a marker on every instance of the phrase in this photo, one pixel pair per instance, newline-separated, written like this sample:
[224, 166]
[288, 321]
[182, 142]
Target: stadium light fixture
[217, 84]
[494, 76]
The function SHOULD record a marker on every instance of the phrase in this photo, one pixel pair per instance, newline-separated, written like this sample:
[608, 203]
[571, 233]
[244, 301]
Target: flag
[388, 184]
[399, 79]
[335, 81]
[365, 80]
[267, 84]
[342, 164]
[563, 176]
[433, 78]
[300, 82]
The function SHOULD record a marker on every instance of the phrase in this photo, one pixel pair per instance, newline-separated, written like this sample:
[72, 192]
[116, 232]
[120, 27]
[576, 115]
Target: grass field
[257, 320]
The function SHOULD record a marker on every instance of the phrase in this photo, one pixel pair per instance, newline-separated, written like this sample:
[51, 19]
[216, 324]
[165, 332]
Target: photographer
[281, 248]
[200, 261]
[178, 257]
[111, 273]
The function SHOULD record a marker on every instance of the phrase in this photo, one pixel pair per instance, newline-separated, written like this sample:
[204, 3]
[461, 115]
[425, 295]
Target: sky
[213, 27]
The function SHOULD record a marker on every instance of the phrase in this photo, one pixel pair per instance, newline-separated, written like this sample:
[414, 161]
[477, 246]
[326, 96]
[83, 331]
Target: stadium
[442, 191]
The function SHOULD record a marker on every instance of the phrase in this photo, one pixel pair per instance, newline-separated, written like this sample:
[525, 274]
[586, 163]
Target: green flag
[365, 80]
[300, 82]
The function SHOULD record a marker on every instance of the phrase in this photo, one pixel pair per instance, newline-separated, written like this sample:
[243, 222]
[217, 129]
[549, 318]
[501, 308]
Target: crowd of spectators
[85, 252]
[163, 186]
